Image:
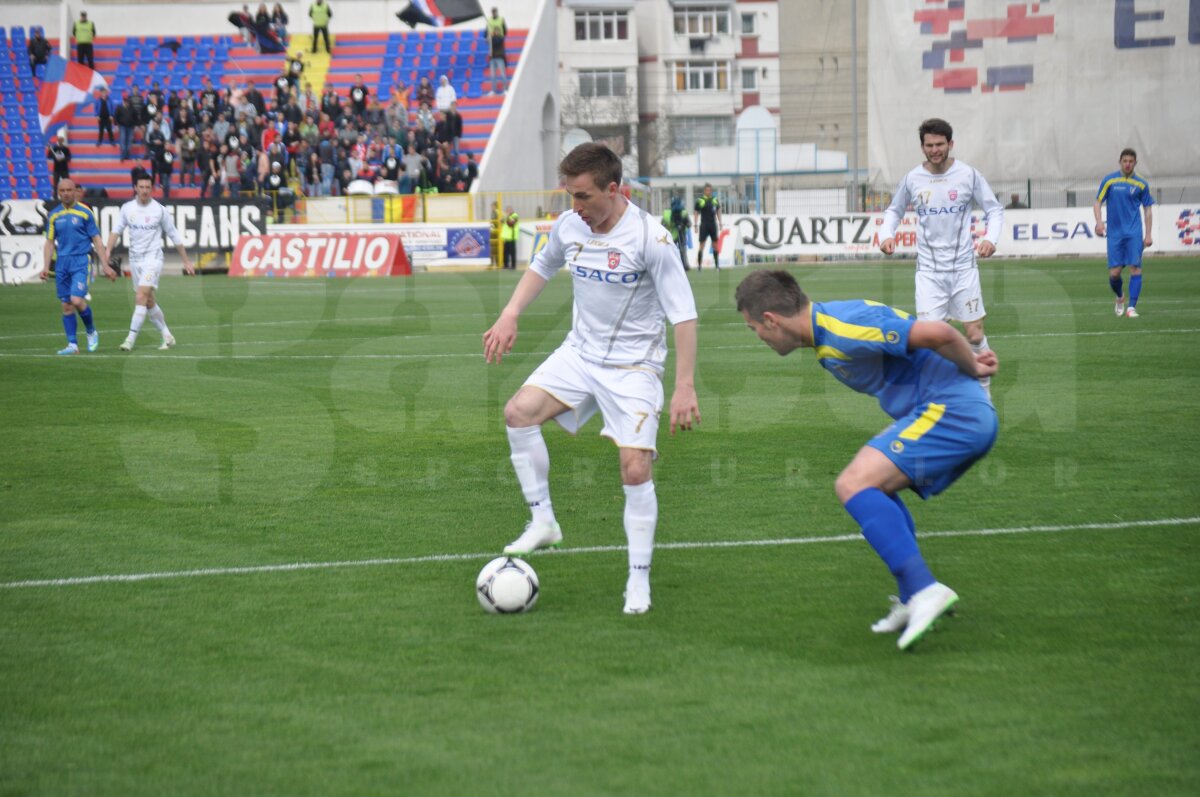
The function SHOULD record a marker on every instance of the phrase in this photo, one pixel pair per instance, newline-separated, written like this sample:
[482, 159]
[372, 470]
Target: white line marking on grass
[459, 557]
[177, 355]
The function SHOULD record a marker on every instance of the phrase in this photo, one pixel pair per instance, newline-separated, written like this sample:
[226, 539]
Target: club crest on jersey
[952, 194]
[614, 258]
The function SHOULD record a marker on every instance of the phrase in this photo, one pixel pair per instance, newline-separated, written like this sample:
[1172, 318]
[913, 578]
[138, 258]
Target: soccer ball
[507, 586]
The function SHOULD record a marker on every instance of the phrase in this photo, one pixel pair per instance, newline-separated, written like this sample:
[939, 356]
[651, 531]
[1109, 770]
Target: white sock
[135, 324]
[980, 348]
[641, 518]
[156, 317]
[531, 461]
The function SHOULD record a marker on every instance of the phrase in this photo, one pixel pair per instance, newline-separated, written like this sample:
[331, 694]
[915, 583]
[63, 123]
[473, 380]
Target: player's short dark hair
[769, 292]
[937, 127]
[1129, 151]
[595, 159]
[143, 176]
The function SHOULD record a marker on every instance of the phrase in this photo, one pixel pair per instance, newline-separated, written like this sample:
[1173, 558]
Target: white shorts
[146, 272]
[949, 295]
[628, 399]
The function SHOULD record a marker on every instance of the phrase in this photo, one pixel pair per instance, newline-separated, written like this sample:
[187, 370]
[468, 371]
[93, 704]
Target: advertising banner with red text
[320, 254]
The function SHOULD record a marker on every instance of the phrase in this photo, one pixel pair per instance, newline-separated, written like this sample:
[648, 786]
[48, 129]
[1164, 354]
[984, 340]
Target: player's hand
[498, 341]
[1149, 242]
[685, 409]
[985, 248]
[1100, 228]
[986, 363]
[109, 272]
[45, 275]
[887, 246]
[188, 268]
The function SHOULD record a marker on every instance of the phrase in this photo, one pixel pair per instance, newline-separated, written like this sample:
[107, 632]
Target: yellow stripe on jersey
[64, 212]
[929, 418]
[1109, 183]
[829, 351]
[847, 330]
[899, 313]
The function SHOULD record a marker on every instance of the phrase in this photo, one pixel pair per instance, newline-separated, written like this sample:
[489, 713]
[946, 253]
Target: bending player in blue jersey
[71, 232]
[1125, 193]
[926, 377]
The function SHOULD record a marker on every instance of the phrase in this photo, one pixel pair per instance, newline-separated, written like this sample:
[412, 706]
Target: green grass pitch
[352, 429]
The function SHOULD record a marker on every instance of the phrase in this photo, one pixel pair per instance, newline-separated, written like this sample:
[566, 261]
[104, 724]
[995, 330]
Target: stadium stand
[135, 63]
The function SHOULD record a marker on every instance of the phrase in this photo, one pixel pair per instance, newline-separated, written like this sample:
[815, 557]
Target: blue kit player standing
[925, 376]
[1125, 193]
[71, 232]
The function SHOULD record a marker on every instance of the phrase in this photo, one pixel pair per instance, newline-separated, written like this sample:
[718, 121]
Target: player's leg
[641, 521]
[557, 389]
[703, 234]
[933, 295]
[715, 237]
[143, 301]
[966, 306]
[62, 283]
[1133, 258]
[1116, 265]
[1135, 290]
[77, 273]
[631, 403]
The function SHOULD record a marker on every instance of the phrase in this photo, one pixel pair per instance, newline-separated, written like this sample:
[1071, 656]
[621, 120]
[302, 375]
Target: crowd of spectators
[234, 140]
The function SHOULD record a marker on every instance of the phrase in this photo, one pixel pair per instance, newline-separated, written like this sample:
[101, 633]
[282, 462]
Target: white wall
[522, 153]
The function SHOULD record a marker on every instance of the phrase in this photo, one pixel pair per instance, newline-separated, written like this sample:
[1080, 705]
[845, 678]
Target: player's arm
[892, 218]
[102, 253]
[47, 256]
[1148, 213]
[940, 337]
[168, 227]
[685, 407]
[993, 216]
[499, 340]
[1099, 218]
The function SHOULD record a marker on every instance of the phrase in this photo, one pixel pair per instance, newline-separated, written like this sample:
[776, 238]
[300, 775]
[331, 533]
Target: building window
[750, 79]
[701, 75]
[601, 25]
[748, 28]
[702, 20]
[689, 132]
[601, 82]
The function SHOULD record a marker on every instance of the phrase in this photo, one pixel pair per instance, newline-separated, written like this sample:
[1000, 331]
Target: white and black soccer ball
[507, 586]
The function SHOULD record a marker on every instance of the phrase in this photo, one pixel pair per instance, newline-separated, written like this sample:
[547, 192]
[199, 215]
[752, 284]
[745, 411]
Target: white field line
[178, 355]
[532, 314]
[459, 557]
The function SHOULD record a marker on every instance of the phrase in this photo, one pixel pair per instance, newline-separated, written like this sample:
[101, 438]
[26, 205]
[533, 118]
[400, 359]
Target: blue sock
[884, 526]
[86, 315]
[1115, 283]
[912, 527]
[1135, 288]
[72, 327]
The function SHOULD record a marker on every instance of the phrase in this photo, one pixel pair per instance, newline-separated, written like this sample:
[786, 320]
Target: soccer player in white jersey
[941, 191]
[147, 222]
[628, 282]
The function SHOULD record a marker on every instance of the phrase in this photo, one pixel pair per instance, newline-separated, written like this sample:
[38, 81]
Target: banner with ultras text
[320, 254]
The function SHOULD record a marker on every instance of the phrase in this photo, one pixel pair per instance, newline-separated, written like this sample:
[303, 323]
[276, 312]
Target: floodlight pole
[854, 102]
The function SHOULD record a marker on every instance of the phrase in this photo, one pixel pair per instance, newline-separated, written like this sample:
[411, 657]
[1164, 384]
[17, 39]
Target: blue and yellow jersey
[865, 345]
[72, 230]
[1125, 196]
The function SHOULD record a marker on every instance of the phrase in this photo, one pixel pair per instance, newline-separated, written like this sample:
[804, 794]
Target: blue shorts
[71, 277]
[936, 443]
[1125, 251]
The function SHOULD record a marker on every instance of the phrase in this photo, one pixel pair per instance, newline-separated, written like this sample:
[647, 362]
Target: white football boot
[924, 609]
[896, 618]
[536, 535]
[167, 343]
[637, 593]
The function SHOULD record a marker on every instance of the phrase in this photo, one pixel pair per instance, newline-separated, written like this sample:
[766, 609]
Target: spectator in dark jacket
[39, 50]
[104, 115]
